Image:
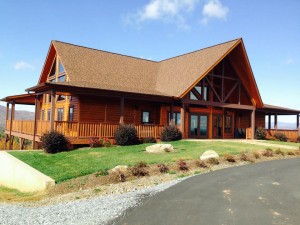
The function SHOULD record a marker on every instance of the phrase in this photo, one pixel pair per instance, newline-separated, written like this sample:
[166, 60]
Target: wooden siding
[260, 119]
[108, 110]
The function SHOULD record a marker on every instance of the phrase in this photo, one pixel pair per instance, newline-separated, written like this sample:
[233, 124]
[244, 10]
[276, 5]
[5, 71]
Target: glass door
[217, 126]
[198, 126]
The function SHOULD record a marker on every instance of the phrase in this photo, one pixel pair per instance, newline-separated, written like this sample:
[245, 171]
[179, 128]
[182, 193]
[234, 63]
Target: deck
[77, 133]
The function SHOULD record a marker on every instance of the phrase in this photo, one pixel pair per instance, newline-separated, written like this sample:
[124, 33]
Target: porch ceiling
[24, 99]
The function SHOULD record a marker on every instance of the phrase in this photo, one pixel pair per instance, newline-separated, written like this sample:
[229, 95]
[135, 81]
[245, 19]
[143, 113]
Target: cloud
[168, 11]
[21, 65]
[214, 9]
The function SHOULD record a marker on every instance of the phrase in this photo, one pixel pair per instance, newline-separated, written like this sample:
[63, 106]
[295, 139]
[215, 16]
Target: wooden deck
[290, 134]
[77, 133]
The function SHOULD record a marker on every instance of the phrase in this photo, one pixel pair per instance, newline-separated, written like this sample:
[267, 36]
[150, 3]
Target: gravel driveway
[97, 210]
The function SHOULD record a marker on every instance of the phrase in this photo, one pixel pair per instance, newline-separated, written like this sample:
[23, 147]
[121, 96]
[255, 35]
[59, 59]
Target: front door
[217, 125]
[198, 126]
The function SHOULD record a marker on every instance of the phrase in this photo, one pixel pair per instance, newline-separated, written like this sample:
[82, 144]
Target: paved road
[263, 193]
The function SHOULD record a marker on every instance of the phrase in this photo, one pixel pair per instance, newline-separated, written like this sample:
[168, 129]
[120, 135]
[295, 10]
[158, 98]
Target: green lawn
[67, 165]
[282, 143]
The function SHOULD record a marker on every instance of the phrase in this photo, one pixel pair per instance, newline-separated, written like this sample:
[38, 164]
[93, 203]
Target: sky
[156, 30]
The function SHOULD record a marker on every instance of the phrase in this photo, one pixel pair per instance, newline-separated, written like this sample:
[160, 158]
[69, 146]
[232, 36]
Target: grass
[7, 194]
[67, 165]
[282, 143]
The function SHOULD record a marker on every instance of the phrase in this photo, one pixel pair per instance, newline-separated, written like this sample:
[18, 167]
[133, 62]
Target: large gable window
[199, 92]
[61, 73]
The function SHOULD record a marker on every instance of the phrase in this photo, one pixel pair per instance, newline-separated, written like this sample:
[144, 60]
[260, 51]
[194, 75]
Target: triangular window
[61, 67]
[53, 69]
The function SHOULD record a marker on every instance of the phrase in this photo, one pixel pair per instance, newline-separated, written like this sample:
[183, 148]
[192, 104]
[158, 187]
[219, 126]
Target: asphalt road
[263, 193]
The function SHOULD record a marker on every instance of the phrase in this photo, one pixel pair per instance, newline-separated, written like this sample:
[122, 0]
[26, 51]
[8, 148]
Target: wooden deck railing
[290, 134]
[80, 130]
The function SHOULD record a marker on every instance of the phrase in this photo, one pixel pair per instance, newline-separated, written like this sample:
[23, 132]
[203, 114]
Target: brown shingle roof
[93, 68]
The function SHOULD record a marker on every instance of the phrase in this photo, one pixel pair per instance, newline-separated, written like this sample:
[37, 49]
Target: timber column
[122, 111]
[252, 124]
[171, 122]
[182, 119]
[298, 125]
[36, 117]
[52, 115]
[12, 117]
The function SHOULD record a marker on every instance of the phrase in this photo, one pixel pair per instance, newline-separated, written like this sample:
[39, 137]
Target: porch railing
[290, 134]
[80, 130]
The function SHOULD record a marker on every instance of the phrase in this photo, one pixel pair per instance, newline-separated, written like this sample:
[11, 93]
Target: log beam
[252, 123]
[52, 114]
[275, 122]
[122, 111]
[12, 117]
[182, 120]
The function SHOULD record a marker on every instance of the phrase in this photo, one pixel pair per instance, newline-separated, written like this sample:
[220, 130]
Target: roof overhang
[24, 99]
[67, 89]
[273, 109]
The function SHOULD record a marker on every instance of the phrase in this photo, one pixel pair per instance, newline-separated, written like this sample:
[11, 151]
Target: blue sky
[154, 29]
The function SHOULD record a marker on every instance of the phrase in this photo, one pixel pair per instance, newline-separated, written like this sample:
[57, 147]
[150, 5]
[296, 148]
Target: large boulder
[160, 148]
[209, 154]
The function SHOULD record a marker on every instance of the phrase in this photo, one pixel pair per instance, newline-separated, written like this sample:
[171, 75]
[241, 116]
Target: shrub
[260, 134]
[139, 170]
[245, 157]
[201, 164]
[280, 137]
[149, 140]
[95, 143]
[99, 142]
[170, 133]
[163, 168]
[268, 153]
[182, 165]
[54, 142]
[291, 153]
[213, 161]
[126, 135]
[118, 176]
[229, 158]
[298, 139]
[256, 155]
[279, 152]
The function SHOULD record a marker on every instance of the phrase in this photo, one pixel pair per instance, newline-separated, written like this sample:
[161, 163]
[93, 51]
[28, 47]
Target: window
[53, 69]
[52, 80]
[192, 96]
[71, 113]
[145, 117]
[61, 98]
[199, 90]
[60, 114]
[62, 78]
[43, 115]
[61, 68]
[176, 117]
[227, 124]
[48, 114]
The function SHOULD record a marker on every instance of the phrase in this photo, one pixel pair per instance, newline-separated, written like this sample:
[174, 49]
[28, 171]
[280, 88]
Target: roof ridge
[201, 49]
[94, 49]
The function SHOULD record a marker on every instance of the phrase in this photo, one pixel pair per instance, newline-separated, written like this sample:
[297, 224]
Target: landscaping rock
[122, 168]
[209, 154]
[160, 148]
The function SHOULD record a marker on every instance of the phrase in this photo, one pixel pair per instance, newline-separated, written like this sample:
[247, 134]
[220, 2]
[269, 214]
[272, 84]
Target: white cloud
[168, 11]
[214, 9]
[21, 65]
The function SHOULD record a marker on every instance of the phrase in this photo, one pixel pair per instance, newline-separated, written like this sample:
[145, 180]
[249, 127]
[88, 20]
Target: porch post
[269, 122]
[12, 117]
[182, 122]
[298, 122]
[36, 113]
[52, 115]
[252, 123]
[275, 122]
[122, 111]
[171, 122]
[6, 128]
